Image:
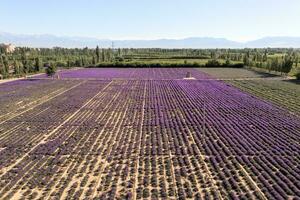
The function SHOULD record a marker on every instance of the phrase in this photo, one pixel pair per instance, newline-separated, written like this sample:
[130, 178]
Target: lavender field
[129, 73]
[144, 134]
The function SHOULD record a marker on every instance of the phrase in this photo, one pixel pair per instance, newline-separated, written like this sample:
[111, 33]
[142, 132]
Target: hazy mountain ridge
[279, 41]
[47, 40]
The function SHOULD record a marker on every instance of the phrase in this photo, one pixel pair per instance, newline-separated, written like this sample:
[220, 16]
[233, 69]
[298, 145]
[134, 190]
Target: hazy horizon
[49, 40]
[236, 20]
[145, 39]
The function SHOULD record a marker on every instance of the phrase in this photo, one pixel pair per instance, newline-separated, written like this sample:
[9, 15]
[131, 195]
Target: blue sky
[150, 19]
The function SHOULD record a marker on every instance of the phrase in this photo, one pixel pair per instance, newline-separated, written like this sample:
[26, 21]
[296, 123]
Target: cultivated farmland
[144, 134]
[283, 92]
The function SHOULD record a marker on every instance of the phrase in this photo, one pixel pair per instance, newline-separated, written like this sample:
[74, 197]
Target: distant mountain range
[195, 42]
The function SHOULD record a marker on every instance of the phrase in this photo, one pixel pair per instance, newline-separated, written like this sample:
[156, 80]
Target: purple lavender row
[131, 73]
[240, 136]
[18, 95]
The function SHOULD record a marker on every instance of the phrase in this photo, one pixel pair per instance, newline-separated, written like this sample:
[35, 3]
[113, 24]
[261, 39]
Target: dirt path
[261, 194]
[21, 78]
[135, 185]
[33, 76]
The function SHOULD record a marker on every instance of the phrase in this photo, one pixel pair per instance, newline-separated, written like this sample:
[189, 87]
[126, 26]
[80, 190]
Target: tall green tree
[2, 68]
[287, 64]
[227, 62]
[94, 61]
[16, 67]
[37, 65]
[265, 56]
[5, 65]
[98, 54]
[24, 62]
[83, 63]
[246, 59]
[69, 64]
[103, 56]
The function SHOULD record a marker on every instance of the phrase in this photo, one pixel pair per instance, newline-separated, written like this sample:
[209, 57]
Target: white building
[9, 48]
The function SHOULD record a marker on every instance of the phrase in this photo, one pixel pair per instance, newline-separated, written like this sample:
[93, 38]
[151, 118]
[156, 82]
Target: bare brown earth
[103, 139]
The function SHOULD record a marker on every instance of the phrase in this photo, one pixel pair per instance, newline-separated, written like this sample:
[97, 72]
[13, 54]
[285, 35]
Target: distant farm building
[9, 48]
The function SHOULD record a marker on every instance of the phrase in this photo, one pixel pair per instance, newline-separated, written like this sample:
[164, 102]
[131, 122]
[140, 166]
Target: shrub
[146, 193]
[213, 63]
[51, 69]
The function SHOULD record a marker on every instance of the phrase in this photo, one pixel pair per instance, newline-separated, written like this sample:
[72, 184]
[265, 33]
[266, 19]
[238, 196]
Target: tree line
[26, 60]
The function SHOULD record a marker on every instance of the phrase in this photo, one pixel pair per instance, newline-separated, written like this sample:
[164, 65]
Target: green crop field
[280, 91]
[284, 93]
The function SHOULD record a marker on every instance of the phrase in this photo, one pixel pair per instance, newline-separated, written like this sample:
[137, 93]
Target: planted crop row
[130, 73]
[285, 94]
[17, 96]
[151, 139]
